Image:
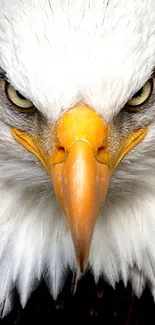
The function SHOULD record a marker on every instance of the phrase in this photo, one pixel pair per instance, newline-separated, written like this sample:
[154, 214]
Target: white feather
[58, 53]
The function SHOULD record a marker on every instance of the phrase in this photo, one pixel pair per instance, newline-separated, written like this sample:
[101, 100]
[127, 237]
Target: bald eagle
[77, 143]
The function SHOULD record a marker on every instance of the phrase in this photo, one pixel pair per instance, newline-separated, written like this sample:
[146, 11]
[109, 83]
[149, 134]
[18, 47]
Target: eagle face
[77, 131]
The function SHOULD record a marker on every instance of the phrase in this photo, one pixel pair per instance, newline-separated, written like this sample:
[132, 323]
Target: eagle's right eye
[141, 97]
[17, 100]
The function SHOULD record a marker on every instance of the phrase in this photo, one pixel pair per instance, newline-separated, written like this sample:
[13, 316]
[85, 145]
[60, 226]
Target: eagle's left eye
[20, 103]
[141, 97]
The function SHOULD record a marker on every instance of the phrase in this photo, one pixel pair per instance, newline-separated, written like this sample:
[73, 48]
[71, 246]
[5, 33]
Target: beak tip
[82, 268]
[82, 263]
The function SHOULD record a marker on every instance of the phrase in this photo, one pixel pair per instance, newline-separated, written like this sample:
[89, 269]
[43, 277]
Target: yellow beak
[80, 166]
[81, 184]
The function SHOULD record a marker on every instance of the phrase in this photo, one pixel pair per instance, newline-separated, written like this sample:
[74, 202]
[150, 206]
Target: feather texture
[58, 53]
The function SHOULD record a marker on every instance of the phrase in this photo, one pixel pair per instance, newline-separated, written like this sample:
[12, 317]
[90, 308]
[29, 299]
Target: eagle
[77, 144]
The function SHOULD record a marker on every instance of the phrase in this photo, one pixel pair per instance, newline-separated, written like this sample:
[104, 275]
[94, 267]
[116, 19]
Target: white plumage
[57, 54]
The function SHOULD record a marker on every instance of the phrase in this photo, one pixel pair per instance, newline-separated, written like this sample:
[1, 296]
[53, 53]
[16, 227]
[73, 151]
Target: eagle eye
[20, 102]
[140, 98]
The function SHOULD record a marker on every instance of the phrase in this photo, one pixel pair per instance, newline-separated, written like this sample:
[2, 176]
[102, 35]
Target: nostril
[100, 155]
[100, 150]
[60, 155]
[62, 150]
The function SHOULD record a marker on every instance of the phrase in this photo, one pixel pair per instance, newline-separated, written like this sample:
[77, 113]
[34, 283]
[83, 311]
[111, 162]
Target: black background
[100, 304]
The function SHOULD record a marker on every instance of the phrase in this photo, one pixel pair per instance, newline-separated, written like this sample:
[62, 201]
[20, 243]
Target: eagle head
[77, 134]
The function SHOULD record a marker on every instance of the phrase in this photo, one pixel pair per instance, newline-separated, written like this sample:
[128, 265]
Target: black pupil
[20, 96]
